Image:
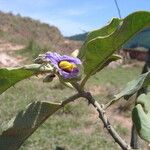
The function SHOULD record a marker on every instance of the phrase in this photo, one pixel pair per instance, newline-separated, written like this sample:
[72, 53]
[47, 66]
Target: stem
[105, 121]
[84, 81]
[102, 116]
[70, 99]
[134, 138]
[77, 87]
[110, 103]
[134, 142]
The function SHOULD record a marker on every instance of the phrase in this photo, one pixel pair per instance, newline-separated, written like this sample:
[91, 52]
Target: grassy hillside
[33, 34]
[23, 29]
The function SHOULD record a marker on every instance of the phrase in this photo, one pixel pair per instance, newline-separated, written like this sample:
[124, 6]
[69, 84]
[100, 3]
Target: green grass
[117, 77]
[76, 127]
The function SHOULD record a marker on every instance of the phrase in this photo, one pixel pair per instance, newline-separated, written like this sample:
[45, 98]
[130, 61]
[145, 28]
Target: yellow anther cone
[65, 65]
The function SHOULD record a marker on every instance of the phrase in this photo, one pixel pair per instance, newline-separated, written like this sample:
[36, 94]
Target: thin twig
[134, 138]
[84, 81]
[118, 9]
[102, 116]
[134, 142]
[70, 99]
[77, 87]
[105, 121]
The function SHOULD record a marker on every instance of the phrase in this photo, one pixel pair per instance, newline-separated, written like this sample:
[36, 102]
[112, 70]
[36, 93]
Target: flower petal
[71, 74]
[71, 59]
[54, 58]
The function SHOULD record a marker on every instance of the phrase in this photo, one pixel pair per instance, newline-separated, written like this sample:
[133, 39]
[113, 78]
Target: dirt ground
[6, 54]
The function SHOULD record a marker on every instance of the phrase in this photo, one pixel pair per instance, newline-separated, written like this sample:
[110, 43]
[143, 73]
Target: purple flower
[66, 65]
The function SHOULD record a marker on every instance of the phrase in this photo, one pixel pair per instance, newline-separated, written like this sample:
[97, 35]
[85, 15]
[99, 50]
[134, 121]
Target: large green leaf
[106, 30]
[10, 76]
[96, 51]
[141, 116]
[132, 87]
[25, 123]
[107, 62]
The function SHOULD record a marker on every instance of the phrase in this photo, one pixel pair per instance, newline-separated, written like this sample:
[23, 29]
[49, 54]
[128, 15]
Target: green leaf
[132, 87]
[10, 76]
[97, 51]
[106, 30]
[141, 116]
[108, 61]
[25, 123]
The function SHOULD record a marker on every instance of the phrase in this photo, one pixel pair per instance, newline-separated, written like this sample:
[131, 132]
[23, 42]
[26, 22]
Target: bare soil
[6, 54]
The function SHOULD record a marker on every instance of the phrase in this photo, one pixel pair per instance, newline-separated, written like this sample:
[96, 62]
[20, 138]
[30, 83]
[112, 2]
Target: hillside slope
[24, 30]
[78, 37]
